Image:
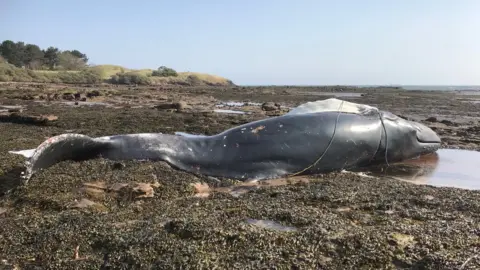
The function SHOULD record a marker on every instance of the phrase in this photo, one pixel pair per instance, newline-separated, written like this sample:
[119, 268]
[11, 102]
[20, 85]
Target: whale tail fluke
[26, 153]
[59, 148]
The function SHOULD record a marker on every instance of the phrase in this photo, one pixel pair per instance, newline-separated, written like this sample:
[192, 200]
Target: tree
[80, 55]
[51, 57]
[13, 52]
[68, 61]
[34, 56]
[164, 71]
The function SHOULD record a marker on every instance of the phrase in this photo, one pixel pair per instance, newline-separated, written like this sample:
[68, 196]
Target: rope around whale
[333, 136]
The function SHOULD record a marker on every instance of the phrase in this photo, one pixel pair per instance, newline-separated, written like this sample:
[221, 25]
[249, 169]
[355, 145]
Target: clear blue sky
[265, 41]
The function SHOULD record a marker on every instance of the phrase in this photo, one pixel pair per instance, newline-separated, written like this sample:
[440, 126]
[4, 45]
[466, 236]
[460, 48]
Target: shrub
[164, 72]
[130, 78]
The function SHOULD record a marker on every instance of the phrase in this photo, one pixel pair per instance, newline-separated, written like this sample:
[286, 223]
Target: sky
[265, 42]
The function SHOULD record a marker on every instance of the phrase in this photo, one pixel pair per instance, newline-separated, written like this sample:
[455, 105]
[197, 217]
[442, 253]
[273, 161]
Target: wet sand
[100, 214]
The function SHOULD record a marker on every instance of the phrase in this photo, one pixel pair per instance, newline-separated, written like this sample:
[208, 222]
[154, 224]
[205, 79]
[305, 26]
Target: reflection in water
[445, 168]
[268, 224]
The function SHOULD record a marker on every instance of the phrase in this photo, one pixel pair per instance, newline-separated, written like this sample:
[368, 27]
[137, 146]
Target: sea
[432, 87]
[406, 87]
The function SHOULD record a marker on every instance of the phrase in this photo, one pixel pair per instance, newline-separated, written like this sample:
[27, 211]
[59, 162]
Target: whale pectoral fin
[60, 148]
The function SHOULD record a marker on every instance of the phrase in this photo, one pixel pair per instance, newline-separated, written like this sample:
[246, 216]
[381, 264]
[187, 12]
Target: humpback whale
[315, 137]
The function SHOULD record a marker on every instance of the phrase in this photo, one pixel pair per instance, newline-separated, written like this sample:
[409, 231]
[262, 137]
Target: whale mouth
[426, 134]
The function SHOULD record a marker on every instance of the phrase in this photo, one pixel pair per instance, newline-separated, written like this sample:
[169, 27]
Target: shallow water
[79, 103]
[11, 107]
[229, 111]
[445, 168]
[237, 104]
[335, 94]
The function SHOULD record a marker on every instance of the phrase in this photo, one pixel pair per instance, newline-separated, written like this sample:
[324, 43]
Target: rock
[15, 110]
[118, 186]
[178, 106]
[202, 190]
[3, 211]
[401, 240]
[432, 119]
[93, 93]
[68, 96]
[447, 122]
[134, 191]
[269, 106]
[83, 99]
[77, 96]
[86, 203]
[143, 190]
[27, 97]
[118, 166]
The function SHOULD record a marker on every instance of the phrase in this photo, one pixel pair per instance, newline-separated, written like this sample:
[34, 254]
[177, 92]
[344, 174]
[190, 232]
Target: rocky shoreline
[100, 214]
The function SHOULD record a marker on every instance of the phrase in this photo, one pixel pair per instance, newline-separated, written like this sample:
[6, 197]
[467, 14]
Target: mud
[100, 214]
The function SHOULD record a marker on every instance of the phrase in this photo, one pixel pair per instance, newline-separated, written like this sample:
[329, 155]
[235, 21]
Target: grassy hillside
[108, 74]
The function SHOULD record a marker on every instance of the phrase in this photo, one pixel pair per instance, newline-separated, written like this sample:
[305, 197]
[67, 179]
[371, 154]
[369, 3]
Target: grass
[107, 71]
[104, 73]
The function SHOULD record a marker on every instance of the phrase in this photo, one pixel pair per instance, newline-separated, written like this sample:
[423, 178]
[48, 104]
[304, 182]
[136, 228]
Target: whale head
[404, 139]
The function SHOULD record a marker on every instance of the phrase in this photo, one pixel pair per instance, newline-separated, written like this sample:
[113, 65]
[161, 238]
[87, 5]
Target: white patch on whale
[332, 105]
